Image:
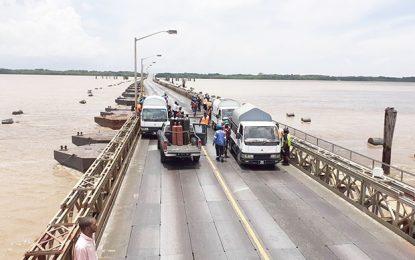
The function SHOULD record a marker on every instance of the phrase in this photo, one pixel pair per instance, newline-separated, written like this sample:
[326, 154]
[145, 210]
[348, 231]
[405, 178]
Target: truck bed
[182, 149]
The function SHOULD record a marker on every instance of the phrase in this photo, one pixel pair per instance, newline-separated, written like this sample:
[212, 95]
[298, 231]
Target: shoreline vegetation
[67, 72]
[259, 76]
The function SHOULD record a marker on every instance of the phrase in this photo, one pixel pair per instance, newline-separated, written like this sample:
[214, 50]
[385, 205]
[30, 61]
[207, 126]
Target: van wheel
[233, 147]
[238, 158]
[196, 159]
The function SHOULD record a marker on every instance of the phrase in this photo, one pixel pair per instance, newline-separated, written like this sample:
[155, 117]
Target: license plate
[261, 162]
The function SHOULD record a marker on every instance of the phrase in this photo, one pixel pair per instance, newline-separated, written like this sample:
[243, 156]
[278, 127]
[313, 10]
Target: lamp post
[135, 60]
[141, 77]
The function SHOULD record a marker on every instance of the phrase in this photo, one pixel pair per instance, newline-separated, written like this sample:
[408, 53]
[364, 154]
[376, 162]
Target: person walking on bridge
[286, 144]
[180, 113]
[199, 103]
[169, 112]
[219, 140]
[85, 248]
[227, 130]
[175, 108]
[194, 107]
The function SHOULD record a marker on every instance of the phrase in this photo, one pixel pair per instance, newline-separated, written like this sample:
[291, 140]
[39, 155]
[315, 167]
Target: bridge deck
[179, 211]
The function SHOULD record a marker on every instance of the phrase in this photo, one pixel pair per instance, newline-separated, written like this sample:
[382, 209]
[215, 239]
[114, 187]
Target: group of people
[221, 141]
[196, 104]
[175, 111]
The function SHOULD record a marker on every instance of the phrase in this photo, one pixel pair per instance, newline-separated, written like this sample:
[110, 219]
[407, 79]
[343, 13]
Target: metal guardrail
[383, 199]
[363, 160]
[92, 196]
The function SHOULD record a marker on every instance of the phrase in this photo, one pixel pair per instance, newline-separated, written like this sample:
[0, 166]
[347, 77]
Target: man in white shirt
[175, 108]
[85, 248]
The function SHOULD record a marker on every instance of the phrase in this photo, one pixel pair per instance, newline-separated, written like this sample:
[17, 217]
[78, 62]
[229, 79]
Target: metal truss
[387, 200]
[93, 196]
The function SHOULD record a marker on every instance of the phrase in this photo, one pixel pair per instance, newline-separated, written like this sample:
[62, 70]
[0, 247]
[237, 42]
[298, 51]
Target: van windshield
[227, 112]
[154, 114]
[260, 135]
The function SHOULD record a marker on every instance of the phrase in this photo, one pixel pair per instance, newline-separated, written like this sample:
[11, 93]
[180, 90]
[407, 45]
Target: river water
[32, 184]
[346, 113]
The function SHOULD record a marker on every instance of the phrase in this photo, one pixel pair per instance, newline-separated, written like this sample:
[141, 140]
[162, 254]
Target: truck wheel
[163, 158]
[196, 159]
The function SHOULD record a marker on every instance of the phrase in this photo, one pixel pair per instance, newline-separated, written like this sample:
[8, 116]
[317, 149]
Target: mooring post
[388, 129]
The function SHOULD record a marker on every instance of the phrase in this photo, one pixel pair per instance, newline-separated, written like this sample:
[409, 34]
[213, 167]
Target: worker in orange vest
[138, 108]
[205, 119]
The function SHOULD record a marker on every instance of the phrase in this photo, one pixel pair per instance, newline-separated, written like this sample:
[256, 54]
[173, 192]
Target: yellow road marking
[248, 228]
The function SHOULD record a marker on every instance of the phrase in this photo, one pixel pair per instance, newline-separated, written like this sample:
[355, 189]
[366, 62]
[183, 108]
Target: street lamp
[135, 60]
[148, 68]
[141, 78]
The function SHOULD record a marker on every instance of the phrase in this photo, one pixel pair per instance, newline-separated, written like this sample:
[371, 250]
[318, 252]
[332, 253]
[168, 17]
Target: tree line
[67, 72]
[207, 75]
[283, 77]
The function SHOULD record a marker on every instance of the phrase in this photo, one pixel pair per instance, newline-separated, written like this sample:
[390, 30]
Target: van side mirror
[238, 136]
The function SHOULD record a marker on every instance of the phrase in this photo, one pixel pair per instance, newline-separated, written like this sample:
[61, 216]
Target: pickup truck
[190, 149]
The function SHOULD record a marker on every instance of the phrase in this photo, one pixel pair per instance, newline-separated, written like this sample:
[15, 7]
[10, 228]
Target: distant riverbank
[67, 72]
[283, 77]
[187, 75]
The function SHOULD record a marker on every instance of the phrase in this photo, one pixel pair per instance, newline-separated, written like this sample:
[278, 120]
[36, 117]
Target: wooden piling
[388, 129]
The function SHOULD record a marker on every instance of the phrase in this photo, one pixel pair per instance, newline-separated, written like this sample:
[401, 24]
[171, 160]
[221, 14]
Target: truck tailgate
[183, 149]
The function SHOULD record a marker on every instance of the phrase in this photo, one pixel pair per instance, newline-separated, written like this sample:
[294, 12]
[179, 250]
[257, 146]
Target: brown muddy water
[32, 184]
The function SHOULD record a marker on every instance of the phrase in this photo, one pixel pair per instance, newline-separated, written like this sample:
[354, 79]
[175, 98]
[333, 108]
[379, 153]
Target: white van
[153, 114]
[222, 109]
[253, 136]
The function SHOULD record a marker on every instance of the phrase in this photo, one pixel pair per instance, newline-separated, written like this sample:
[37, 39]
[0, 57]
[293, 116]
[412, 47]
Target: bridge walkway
[180, 211]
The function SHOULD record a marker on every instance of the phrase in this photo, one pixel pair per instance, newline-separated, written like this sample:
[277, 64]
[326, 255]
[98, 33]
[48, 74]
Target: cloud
[45, 29]
[337, 37]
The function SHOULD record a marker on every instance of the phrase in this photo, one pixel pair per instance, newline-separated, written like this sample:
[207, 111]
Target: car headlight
[273, 156]
[247, 156]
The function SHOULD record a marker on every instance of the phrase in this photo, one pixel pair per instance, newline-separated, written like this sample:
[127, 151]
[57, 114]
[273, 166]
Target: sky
[330, 37]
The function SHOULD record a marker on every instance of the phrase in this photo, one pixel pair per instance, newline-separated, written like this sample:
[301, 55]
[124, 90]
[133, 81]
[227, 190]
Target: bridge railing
[358, 158]
[92, 196]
